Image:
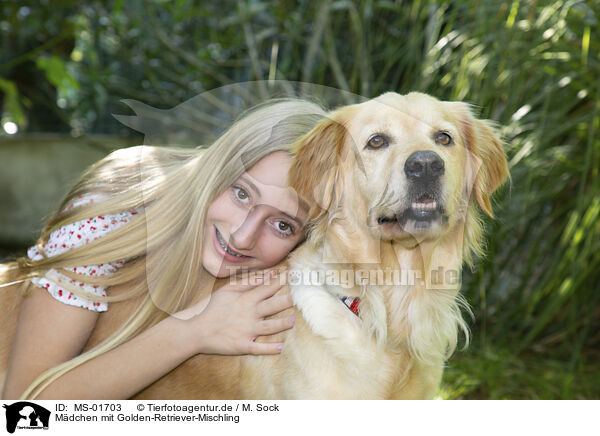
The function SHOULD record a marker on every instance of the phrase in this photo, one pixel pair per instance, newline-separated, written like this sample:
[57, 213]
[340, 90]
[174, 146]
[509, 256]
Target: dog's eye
[377, 141]
[443, 138]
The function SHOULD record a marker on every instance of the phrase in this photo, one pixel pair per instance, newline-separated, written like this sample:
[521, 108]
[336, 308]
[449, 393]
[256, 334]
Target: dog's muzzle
[423, 170]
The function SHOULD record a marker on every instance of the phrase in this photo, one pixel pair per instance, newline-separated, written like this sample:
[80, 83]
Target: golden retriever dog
[393, 185]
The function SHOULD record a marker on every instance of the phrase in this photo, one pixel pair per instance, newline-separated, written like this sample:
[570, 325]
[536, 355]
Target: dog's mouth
[424, 210]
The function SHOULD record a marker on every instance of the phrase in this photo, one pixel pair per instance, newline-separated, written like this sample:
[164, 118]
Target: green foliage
[12, 103]
[532, 66]
[56, 73]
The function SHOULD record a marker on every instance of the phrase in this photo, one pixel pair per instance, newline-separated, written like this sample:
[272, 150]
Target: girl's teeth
[224, 246]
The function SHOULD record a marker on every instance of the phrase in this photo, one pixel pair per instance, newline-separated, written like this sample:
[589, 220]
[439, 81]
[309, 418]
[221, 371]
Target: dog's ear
[315, 168]
[483, 142]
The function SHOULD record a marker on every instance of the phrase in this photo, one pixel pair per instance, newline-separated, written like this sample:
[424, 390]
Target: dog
[394, 185]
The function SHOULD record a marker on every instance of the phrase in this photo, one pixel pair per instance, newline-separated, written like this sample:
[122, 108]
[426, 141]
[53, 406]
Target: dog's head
[403, 168]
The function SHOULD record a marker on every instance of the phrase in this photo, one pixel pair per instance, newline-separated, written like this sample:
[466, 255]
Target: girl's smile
[228, 253]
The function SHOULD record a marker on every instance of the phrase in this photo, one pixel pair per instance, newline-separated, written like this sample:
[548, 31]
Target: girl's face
[255, 222]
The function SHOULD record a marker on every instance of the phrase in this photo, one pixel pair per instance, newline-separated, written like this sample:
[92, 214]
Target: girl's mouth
[228, 253]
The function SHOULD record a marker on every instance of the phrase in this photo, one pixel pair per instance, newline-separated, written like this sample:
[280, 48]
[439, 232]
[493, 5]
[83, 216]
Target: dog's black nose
[424, 165]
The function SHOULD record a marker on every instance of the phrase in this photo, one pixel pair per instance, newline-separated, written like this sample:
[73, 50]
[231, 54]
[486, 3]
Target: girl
[161, 224]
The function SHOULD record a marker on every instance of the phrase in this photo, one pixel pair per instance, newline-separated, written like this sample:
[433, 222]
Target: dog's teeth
[425, 206]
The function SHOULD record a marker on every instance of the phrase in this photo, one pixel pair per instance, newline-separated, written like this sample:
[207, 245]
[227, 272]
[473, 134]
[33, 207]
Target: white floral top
[72, 236]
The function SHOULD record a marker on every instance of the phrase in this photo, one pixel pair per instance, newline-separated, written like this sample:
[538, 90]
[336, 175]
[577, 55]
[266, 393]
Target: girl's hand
[234, 317]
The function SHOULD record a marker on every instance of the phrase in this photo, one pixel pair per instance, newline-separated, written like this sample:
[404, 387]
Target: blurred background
[530, 65]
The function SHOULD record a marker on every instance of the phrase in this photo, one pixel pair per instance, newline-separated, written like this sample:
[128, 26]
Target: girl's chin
[223, 273]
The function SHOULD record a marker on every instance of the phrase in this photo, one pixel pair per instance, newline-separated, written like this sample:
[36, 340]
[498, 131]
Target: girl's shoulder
[74, 235]
[79, 233]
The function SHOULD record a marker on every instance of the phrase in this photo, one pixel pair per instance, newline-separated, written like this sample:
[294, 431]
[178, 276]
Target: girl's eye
[240, 194]
[284, 227]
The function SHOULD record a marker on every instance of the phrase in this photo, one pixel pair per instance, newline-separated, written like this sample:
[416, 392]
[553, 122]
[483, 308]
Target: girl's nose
[244, 237]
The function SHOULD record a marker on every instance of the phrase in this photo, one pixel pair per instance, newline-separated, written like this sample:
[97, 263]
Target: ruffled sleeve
[76, 235]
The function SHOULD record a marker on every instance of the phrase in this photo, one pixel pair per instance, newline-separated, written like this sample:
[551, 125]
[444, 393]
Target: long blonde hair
[162, 247]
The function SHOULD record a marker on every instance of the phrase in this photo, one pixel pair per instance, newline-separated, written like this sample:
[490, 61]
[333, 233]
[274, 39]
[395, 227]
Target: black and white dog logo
[26, 415]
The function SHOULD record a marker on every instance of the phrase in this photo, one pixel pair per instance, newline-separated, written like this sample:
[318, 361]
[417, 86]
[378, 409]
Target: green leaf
[56, 73]
[12, 104]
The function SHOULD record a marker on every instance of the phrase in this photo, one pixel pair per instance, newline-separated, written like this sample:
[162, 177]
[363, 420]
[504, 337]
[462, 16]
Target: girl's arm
[227, 325]
[48, 333]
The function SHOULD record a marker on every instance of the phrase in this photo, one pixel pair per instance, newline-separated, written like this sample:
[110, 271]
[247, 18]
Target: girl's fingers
[270, 287]
[264, 347]
[274, 305]
[271, 326]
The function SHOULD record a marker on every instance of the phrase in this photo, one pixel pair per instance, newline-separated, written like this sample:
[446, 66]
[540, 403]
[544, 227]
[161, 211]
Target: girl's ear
[483, 142]
[315, 170]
